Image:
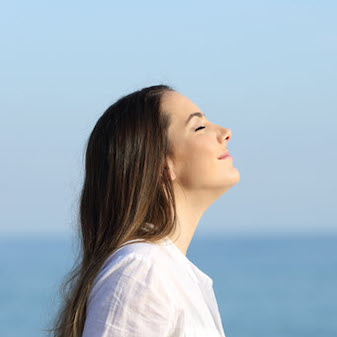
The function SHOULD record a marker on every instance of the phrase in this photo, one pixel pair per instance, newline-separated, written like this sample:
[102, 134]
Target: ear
[169, 170]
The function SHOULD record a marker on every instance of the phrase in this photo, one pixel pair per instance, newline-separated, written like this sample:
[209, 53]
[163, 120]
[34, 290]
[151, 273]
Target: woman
[152, 168]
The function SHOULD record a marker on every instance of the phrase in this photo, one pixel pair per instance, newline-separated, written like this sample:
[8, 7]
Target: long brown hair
[126, 187]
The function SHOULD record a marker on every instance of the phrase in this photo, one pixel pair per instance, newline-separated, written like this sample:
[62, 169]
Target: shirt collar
[197, 275]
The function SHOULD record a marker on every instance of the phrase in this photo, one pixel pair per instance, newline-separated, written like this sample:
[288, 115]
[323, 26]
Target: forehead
[178, 105]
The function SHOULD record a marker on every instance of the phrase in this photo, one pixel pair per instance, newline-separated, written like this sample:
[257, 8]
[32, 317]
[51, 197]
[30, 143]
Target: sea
[266, 286]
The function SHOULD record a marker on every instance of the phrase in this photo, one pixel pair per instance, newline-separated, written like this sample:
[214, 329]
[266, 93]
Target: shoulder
[132, 293]
[135, 254]
[134, 263]
[133, 277]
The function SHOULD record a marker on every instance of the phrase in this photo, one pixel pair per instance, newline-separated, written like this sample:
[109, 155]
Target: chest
[198, 313]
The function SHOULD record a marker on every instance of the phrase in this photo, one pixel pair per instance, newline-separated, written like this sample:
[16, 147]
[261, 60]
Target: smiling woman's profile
[153, 165]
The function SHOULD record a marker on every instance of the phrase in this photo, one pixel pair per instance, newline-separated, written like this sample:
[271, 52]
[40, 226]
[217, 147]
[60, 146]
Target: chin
[232, 180]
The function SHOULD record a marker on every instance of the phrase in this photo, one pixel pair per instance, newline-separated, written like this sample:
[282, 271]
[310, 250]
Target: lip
[224, 155]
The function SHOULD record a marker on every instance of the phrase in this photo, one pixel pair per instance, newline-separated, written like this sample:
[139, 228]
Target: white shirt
[152, 290]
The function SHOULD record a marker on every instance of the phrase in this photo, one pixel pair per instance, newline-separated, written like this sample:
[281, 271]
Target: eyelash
[200, 127]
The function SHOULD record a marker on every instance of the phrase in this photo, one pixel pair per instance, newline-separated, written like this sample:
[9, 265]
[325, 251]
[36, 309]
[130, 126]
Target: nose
[225, 135]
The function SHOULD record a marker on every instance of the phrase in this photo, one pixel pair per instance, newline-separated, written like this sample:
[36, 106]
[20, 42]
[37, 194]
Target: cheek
[202, 151]
[199, 160]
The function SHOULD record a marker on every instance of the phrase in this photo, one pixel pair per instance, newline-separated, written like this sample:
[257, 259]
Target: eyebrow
[194, 114]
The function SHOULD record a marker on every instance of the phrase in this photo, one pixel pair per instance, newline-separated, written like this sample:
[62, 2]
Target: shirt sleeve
[132, 300]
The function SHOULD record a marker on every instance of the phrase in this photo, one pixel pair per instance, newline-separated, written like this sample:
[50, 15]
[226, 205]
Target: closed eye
[200, 127]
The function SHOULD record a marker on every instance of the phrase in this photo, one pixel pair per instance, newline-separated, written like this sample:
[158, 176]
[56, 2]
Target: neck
[190, 207]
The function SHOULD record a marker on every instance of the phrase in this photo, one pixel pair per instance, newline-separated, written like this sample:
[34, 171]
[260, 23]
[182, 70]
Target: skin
[198, 176]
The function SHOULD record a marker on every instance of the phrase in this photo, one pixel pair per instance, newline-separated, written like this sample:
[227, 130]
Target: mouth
[224, 155]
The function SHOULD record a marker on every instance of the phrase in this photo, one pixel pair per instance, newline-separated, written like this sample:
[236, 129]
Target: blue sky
[267, 70]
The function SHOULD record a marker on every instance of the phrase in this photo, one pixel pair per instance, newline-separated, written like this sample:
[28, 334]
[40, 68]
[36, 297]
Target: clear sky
[267, 70]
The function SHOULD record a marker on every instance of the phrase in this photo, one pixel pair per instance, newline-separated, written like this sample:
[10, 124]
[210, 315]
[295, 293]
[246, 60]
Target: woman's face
[197, 144]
